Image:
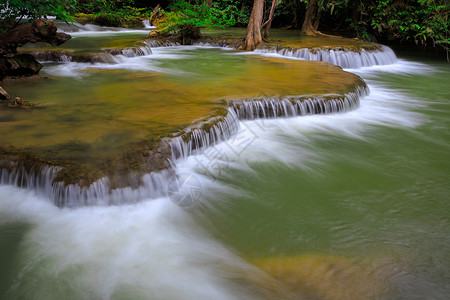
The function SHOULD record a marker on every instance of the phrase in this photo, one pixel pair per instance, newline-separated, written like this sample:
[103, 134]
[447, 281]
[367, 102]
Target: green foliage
[198, 15]
[13, 12]
[424, 21]
[97, 6]
[436, 22]
[113, 13]
[125, 17]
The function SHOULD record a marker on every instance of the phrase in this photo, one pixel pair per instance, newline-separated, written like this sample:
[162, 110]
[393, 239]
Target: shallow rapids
[282, 209]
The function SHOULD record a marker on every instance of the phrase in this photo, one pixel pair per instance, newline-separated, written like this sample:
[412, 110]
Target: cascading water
[344, 58]
[40, 181]
[147, 24]
[197, 139]
[358, 200]
[193, 140]
[155, 44]
[131, 52]
[297, 106]
[66, 56]
[53, 56]
[152, 185]
[77, 29]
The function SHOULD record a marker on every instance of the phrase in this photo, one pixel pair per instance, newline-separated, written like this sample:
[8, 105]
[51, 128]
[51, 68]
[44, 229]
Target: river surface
[345, 206]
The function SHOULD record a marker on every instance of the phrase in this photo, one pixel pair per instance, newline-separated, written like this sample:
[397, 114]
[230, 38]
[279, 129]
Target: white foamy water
[77, 29]
[401, 67]
[342, 58]
[154, 248]
[148, 61]
[144, 63]
[147, 24]
[77, 70]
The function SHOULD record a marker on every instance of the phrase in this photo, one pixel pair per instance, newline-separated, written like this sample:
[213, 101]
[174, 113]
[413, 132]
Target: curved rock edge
[347, 58]
[344, 57]
[157, 165]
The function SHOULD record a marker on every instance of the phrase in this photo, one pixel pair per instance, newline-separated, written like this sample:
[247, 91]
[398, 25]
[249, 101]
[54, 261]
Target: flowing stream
[342, 206]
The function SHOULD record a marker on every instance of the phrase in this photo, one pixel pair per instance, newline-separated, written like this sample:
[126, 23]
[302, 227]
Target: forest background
[424, 23]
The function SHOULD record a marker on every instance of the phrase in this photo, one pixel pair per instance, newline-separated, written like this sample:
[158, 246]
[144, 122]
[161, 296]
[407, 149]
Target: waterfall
[297, 105]
[346, 59]
[222, 44]
[130, 51]
[147, 24]
[154, 44]
[191, 140]
[198, 138]
[77, 29]
[71, 56]
[343, 58]
[53, 56]
[151, 185]
[42, 182]
[67, 56]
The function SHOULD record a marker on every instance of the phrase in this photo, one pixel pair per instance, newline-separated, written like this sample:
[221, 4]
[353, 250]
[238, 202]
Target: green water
[351, 206]
[105, 107]
[381, 201]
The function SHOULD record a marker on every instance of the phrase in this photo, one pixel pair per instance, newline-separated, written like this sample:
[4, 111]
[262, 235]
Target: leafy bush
[112, 13]
[424, 21]
[125, 17]
[187, 19]
[13, 12]
[102, 6]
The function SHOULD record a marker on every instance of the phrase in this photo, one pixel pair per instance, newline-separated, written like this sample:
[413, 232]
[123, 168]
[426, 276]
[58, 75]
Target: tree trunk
[41, 30]
[312, 12]
[253, 37]
[269, 21]
[317, 20]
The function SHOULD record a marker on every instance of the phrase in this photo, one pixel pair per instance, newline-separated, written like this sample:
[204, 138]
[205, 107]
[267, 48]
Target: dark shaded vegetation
[424, 23]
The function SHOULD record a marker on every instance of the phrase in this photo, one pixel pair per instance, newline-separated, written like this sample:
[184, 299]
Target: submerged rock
[323, 277]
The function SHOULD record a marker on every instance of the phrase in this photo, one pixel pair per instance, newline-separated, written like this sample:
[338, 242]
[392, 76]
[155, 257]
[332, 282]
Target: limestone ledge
[156, 154]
